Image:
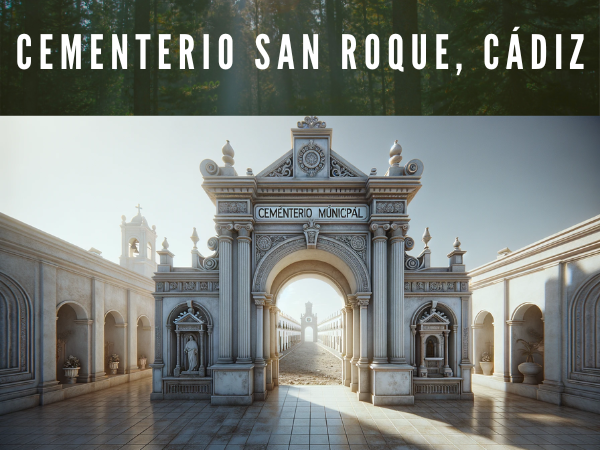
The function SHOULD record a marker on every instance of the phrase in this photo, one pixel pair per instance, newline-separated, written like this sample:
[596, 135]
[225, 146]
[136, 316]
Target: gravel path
[309, 363]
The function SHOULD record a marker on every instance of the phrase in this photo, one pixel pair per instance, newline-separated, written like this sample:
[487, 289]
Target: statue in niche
[191, 350]
[430, 352]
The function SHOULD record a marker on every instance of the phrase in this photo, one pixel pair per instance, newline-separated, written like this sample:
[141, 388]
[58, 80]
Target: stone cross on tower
[139, 208]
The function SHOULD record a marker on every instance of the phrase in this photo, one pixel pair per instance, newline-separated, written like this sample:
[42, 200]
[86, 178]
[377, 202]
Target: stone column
[276, 346]
[177, 370]
[364, 388]
[446, 366]
[396, 351]
[97, 330]
[344, 345]
[260, 303]
[267, 344]
[355, 344]
[158, 364]
[349, 347]
[380, 293]
[225, 293]
[243, 293]
[512, 363]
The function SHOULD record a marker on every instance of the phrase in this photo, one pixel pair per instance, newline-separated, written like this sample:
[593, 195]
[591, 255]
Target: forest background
[245, 90]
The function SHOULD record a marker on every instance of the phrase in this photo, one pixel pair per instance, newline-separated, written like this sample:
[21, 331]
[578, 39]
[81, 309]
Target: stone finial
[249, 172]
[165, 244]
[228, 154]
[195, 238]
[457, 244]
[153, 227]
[395, 154]
[426, 237]
[373, 172]
[312, 122]
[123, 218]
[504, 252]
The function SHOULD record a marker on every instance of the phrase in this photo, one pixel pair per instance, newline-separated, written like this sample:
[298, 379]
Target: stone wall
[62, 295]
[551, 290]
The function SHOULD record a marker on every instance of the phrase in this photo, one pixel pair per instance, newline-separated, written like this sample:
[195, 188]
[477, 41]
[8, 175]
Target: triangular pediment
[188, 318]
[434, 317]
[283, 167]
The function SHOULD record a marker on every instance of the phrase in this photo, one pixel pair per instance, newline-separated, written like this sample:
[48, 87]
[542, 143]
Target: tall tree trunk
[369, 72]
[155, 66]
[141, 77]
[334, 58]
[407, 84]
[33, 26]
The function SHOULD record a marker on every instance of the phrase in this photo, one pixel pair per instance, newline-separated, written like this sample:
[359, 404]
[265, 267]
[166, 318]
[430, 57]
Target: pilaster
[380, 292]
[224, 231]
[355, 343]
[396, 294]
[243, 293]
[364, 388]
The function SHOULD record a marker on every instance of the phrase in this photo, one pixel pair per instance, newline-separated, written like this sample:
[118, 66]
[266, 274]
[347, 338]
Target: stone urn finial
[195, 238]
[457, 244]
[426, 237]
[165, 244]
[395, 154]
[228, 154]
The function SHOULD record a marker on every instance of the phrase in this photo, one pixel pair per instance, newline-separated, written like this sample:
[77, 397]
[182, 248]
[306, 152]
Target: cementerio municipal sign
[302, 213]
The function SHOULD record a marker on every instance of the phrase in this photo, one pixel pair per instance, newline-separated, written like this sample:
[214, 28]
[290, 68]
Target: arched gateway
[312, 213]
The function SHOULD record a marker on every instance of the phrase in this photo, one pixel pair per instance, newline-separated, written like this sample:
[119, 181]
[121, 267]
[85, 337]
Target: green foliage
[244, 89]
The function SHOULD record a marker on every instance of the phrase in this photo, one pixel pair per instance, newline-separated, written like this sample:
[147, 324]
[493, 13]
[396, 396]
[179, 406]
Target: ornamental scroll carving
[311, 122]
[390, 207]
[285, 169]
[187, 286]
[311, 232]
[227, 207]
[311, 159]
[280, 251]
[431, 286]
[265, 242]
[356, 242]
[338, 169]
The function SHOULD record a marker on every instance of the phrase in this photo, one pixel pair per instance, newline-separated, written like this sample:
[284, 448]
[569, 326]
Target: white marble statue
[191, 350]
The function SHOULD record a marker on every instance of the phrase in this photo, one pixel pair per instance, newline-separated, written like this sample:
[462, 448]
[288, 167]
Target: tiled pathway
[324, 417]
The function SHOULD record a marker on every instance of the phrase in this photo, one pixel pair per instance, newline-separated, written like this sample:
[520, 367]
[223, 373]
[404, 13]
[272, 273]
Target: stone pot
[530, 371]
[487, 367]
[113, 367]
[143, 362]
[71, 374]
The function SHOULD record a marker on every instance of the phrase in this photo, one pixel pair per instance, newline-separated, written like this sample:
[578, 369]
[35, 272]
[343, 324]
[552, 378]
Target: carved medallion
[311, 159]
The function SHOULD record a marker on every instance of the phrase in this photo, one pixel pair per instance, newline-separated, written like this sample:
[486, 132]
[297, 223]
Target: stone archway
[483, 338]
[332, 261]
[527, 323]
[144, 341]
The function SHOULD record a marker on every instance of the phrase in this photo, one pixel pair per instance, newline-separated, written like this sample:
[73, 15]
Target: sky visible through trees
[245, 90]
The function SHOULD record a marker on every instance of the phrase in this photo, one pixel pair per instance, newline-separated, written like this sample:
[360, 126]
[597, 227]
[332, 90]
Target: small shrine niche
[191, 331]
[433, 329]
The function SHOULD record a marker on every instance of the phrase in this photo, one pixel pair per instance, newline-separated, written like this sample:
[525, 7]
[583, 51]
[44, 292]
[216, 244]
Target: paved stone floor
[294, 417]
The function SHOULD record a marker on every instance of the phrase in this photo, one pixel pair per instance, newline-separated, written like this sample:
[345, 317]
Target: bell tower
[138, 245]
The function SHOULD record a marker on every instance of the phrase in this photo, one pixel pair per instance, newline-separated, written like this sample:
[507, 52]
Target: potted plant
[113, 363]
[529, 368]
[143, 362]
[71, 368]
[486, 363]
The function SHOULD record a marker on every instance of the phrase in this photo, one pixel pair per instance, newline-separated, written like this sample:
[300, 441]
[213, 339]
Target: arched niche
[16, 327]
[585, 323]
[171, 345]
[114, 340]
[418, 346]
[72, 337]
[483, 338]
[144, 340]
[527, 323]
